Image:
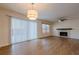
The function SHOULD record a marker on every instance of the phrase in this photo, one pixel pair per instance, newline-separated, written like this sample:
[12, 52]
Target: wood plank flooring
[46, 46]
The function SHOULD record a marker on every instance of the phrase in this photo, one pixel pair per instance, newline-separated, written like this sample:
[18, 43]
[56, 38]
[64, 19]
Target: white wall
[4, 30]
[74, 24]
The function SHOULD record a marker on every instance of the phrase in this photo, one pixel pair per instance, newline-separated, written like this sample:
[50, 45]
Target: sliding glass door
[22, 30]
[32, 30]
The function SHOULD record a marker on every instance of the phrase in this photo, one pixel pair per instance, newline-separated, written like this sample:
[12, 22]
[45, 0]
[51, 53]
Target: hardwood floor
[46, 46]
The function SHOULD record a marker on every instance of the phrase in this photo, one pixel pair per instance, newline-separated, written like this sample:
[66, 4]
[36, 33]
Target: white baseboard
[3, 45]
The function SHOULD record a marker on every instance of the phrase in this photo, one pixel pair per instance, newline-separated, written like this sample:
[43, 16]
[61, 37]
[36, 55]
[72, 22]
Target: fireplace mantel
[64, 29]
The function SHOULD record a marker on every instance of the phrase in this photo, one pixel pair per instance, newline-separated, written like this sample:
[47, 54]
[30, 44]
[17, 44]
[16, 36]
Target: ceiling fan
[61, 19]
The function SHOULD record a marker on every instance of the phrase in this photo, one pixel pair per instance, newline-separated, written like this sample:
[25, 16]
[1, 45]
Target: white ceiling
[48, 11]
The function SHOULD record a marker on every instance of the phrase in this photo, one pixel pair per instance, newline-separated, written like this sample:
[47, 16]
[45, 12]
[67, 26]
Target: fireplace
[63, 33]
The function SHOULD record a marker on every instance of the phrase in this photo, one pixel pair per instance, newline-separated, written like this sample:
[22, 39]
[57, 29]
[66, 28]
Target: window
[45, 28]
[22, 30]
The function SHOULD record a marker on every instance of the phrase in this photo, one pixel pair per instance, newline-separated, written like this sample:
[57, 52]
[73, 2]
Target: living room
[48, 29]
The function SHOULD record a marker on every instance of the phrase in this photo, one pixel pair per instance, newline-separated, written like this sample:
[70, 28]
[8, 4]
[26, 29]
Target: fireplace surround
[64, 32]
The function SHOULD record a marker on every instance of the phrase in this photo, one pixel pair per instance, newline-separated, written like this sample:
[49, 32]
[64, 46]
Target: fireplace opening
[63, 34]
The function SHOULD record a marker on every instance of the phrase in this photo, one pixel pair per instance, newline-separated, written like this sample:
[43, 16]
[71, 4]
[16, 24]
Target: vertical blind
[22, 30]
